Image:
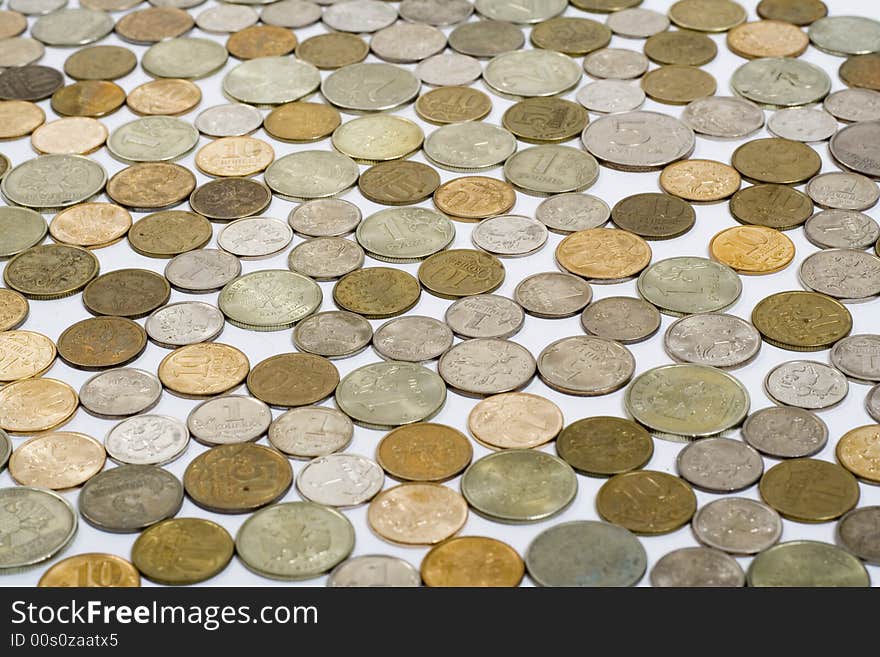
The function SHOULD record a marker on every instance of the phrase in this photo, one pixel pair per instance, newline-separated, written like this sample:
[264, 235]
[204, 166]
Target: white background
[51, 318]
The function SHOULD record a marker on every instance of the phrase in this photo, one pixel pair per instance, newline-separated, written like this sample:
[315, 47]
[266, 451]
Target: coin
[41, 525]
[605, 446]
[806, 384]
[147, 440]
[486, 38]
[183, 323]
[154, 24]
[799, 12]
[293, 379]
[269, 300]
[407, 42]
[57, 460]
[424, 452]
[25, 354]
[449, 69]
[510, 235]
[101, 342]
[651, 140]
[806, 564]
[182, 551]
[14, 309]
[603, 254]
[291, 13]
[35, 405]
[370, 87]
[51, 182]
[764, 81]
[485, 316]
[720, 465]
[851, 144]
[854, 356]
[131, 293]
[687, 401]
[585, 365]
[707, 15]
[72, 27]
[697, 567]
[12, 23]
[230, 198]
[120, 393]
[678, 85]
[69, 270]
[752, 249]
[377, 138]
[553, 295]
[611, 96]
[571, 212]
[574, 37]
[699, 181]
[737, 525]
[853, 105]
[271, 80]
[847, 274]
[856, 451]
[655, 216]
[164, 97]
[20, 118]
[456, 273]
[151, 185]
[311, 431]
[394, 340]
[332, 50]
[469, 146]
[405, 234]
[398, 183]
[257, 41]
[687, 285]
[646, 502]
[615, 64]
[461, 562]
[486, 366]
[682, 47]
[843, 191]
[294, 540]
[202, 270]
[860, 71]
[333, 334]
[551, 169]
[184, 57]
[857, 533]
[326, 258]
[152, 139]
[436, 12]
[623, 319]
[232, 120]
[229, 420]
[301, 122]
[637, 23]
[325, 218]
[782, 320]
[226, 18]
[800, 124]
[29, 82]
[203, 370]
[713, 339]
[723, 117]
[91, 98]
[100, 63]
[377, 292]
[340, 480]
[417, 514]
[767, 38]
[70, 135]
[845, 35]
[311, 174]
[253, 238]
[451, 104]
[773, 206]
[503, 73]
[363, 16]
[474, 197]
[169, 233]
[809, 490]
[785, 432]
[502, 10]
[91, 570]
[775, 160]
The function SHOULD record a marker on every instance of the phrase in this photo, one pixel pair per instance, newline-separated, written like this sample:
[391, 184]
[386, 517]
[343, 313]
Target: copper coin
[775, 160]
[19, 118]
[230, 198]
[700, 181]
[91, 569]
[169, 233]
[515, 420]
[774, 206]
[401, 182]
[798, 12]
[862, 71]
[377, 292]
[767, 38]
[574, 37]
[52, 271]
[678, 85]
[131, 293]
[459, 273]
[472, 198]
[293, 379]
[234, 157]
[151, 185]
[167, 97]
[154, 24]
[24, 354]
[302, 122]
[858, 450]
[29, 82]
[90, 225]
[182, 551]
[102, 342]
[203, 370]
[261, 41]
[453, 105]
[647, 502]
[100, 63]
[14, 309]
[36, 405]
[417, 514]
[333, 50]
[545, 120]
[752, 249]
[12, 23]
[88, 98]
[463, 560]
[78, 135]
[57, 460]
[424, 451]
[603, 254]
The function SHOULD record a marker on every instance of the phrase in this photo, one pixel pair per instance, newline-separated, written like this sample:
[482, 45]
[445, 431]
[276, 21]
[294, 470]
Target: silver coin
[38, 525]
[714, 339]
[723, 117]
[720, 465]
[872, 403]
[406, 43]
[845, 35]
[20, 51]
[781, 82]
[183, 323]
[5, 448]
[586, 365]
[110, 5]
[615, 64]
[638, 141]
[48, 182]
[624, 319]
[558, 73]
[486, 38]
[232, 120]
[854, 105]
[501, 486]
[271, 81]
[806, 564]
[469, 146]
[839, 190]
[359, 16]
[436, 12]
[184, 57]
[72, 27]
[611, 96]
[147, 440]
[291, 13]
[120, 393]
[785, 432]
[178, 4]
[485, 316]
[405, 234]
[311, 431]
[846, 274]
[855, 148]
[842, 229]
[370, 87]
[571, 212]
[858, 356]
[340, 480]
[269, 299]
[375, 569]
[36, 7]
[487, 366]
[412, 339]
[311, 174]
[586, 553]
[513, 11]
[129, 498]
[202, 270]
[333, 334]
[697, 567]
[229, 419]
[326, 258]
[22, 229]
[737, 525]
[859, 532]
[637, 23]
[689, 285]
[449, 70]
[225, 19]
[806, 384]
[152, 139]
[255, 237]
[550, 169]
[553, 295]
[510, 235]
[330, 217]
[800, 124]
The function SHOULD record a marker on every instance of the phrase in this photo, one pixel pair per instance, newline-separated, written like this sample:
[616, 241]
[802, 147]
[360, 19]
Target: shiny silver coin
[697, 567]
[406, 43]
[291, 13]
[806, 384]
[839, 190]
[359, 16]
[510, 235]
[720, 465]
[374, 570]
[855, 146]
[311, 174]
[405, 234]
[120, 393]
[611, 96]
[859, 533]
[638, 141]
[615, 64]
[485, 316]
[723, 117]
[553, 295]
[737, 525]
[846, 35]
[226, 19]
[586, 365]
[842, 229]
[184, 57]
[370, 87]
[714, 339]
[326, 258]
[858, 357]
[854, 105]
[436, 12]
[147, 440]
[487, 366]
[333, 334]
[449, 70]
[152, 139]
[800, 124]
[511, 11]
[872, 403]
[50, 182]
[229, 419]
[785, 432]
[36, 7]
[202, 270]
[268, 81]
[689, 285]
[469, 146]
[849, 275]
[571, 212]
[412, 339]
[311, 431]
[252, 238]
[329, 217]
[232, 120]
[340, 480]
[558, 73]
[777, 82]
[624, 319]
[183, 323]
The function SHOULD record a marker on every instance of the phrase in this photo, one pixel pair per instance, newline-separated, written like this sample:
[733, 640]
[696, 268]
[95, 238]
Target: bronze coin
[775, 160]
[801, 321]
[182, 551]
[29, 82]
[424, 451]
[154, 24]
[294, 379]
[401, 182]
[101, 342]
[238, 478]
[164, 97]
[542, 120]
[453, 105]
[52, 271]
[131, 293]
[301, 122]
[169, 233]
[14, 309]
[333, 50]
[19, 118]
[100, 63]
[377, 292]
[647, 502]
[261, 41]
[196, 371]
[12, 23]
[459, 273]
[574, 37]
[797, 12]
[654, 216]
[681, 47]
[774, 206]
[862, 71]
[91, 98]
[678, 85]
[90, 225]
[605, 446]
[471, 198]
[230, 198]
[151, 185]
[809, 490]
[767, 39]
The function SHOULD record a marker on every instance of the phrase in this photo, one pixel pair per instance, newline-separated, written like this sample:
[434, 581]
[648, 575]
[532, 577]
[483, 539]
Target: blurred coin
[20, 118]
[225, 19]
[637, 23]
[147, 440]
[611, 96]
[855, 356]
[91, 570]
[326, 258]
[311, 431]
[407, 42]
[806, 564]
[809, 490]
[20, 51]
[293, 379]
[767, 38]
[798, 12]
[311, 174]
[700, 567]
[291, 13]
[202, 270]
[459, 562]
[164, 97]
[182, 551]
[719, 465]
[12, 23]
[325, 218]
[398, 514]
[132, 293]
[230, 198]
[229, 420]
[255, 237]
[436, 12]
[698, 181]
[485, 316]
[752, 249]
[152, 139]
[605, 446]
[503, 73]
[362, 16]
[42, 525]
[800, 124]
[659, 216]
[686, 285]
[261, 41]
[449, 69]
[775, 160]
[424, 451]
[857, 451]
[374, 570]
[101, 342]
[857, 533]
[585, 365]
[853, 105]
[183, 323]
[852, 144]
[73, 135]
[184, 57]
[269, 300]
[515, 420]
[91, 98]
[486, 38]
[845, 35]
[681, 47]
[785, 432]
[780, 318]
[232, 120]
[332, 50]
[57, 460]
[271, 81]
[861, 71]
[646, 502]
[737, 525]
[565, 169]
[707, 15]
[412, 338]
[455, 147]
[24, 354]
[615, 64]
[377, 138]
[154, 24]
[333, 334]
[30, 82]
[14, 309]
[764, 81]
[100, 63]
[678, 85]
[70, 269]
[713, 339]
[72, 27]
[571, 36]
[841, 229]
[22, 230]
[623, 319]
[120, 393]
[504, 10]
[340, 480]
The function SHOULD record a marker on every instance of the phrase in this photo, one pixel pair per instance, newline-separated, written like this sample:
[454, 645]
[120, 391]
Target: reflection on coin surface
[182, 551]
[605, 446]
[800, 124]
[311, 431]
[333, 334]
[752, 250]
[638, 141]
[585, 365]
[486, 366]
[40, 525]
[24, 354]
[807, 564]
[485, 316]
[255, 237]
[269, 300]
[417, 513]
[515, 420]
[375, 570]
[91, 570]
[687, 285]
[340, 480]
[120, 392]
[806, 384]
[36, 405]
[723, 117]
[462, 561]
[424, 451]
[412, 338]
[857, 451]
[697, 567]
[809, 490]
[737, 525]
[57, 460]
[603, 254]
[202, 270]
[509, 235]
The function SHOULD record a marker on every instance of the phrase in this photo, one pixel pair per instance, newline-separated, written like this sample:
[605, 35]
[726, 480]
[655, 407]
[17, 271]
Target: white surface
[52, 317]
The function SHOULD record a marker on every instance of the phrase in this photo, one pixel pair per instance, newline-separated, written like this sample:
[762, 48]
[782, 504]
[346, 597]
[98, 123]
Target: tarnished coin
[184, 57]
[856, 356]
[377, 292]
[293, 379]
[678, 85]
[699, 567]
[551, 169]
[92, 98]
[271, 80]
[839, 190]
[603, 255]
[332, 50]
[486, 38]
[611, 96]
[131, 293]
[655, 216]
[737, 525]
[574, 37]
[687, 400]
[798, 12]
[503, 73]
[291, 13]
[41, 524]
[340, 480]
[234, 156]
[719, 465]
[767, 38]
[269, 300]
[856, 451]
[850, 275]
[362, 16]
[252, 238]
[35, 405]
[152, 139]
[845, 35]
[52, 271]
[424, 452]
[485, 316]
[417, 513]
[232, 120]
[311, 431]
[586, 553]
[169, 233]
[699, 181]
[333, 334]
[510, 235]
[326, 258]
[101, 342]
[605, 446]
[461, 562]
[14, 309]
[713, 339]
[91, 570]
[687, 285]
[203, 370]
[120, 393]
[752, 249]
[154, 24]
[624, 319]
[637, 23]
[451, 104]
[723, 117]
[861, 71]
[400, 182]
[801, 321]
[504, 10]
[853, 145]
[76, 135]
[707, 15]
[100, 63]
[405, 234]
[471, 198]
[57, 460]
[311, 174]
[515, 420]
[25, 354]
[405, 43]
[412, 338]
[785, 432]
[571, 212]
[183, 323]
[182, 551]
[31, 82]
[370, 87]
[553, 295]
[469, 146]
[151, 185]
[486, 366]
[325, 218]
[853, 105]
[646, 502]
[777, 161]
[768, 82]
[801, 124]
[615, 64]
[257, 41]
[638, 141]
[809, 490]
[806, 564]
[585, 365]
[230, 198]
[374, 570]
[202, 270]
[857, 533]
[51, 182]
[229, 420]
[450, 69]
[681, 47]
[225, 19]
[458, 273]
[147, 440]
[301, 122]
[773, 206]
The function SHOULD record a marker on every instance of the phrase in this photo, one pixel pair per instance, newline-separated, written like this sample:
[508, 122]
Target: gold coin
[302, 122]
[101, 342]
[858, 450]
[333, 50]
[399, 182]
[52, 271]
[700, 181]
[91, 570]
[775, 160]
[681, 47]
[707, 15]
[774, 206]
[377, 292]
[515, 420]
[234, 157]
[453, 105]
[24, 354]
[182, 551]
[151, 186]
[238, 478]
[472, 561]
[14, 309]
[169, 233]
[19, 118]
[90, 225]
[461, 273]
[678, 85]
[57, 460]
[647, 502]
[417, 514]
[78, 135]
[809, 490]
[100, 63]
[424, 451]
[167, 97]
[574, 37]
[203, 370]
[261, 41]
[88, 98]
[801, 321]
[752, 249]
[798, 12]
[131, 293]
[603, 254]
[294, 379]
[605, 446]
[544, 120]
[154, 24]
[471, 198]
[36, 405]
[862, 71]
[767, 39]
